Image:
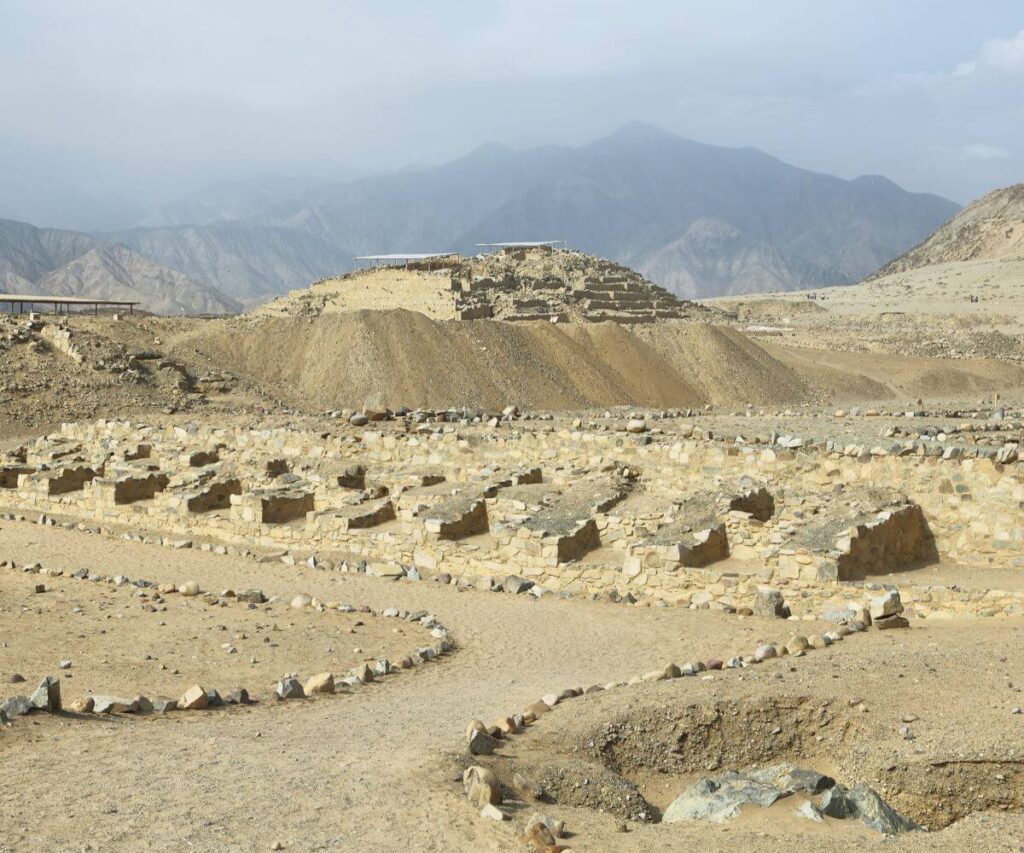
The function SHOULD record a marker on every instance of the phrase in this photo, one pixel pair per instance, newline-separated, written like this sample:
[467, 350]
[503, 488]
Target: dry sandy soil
[373, 770]
[123, 641]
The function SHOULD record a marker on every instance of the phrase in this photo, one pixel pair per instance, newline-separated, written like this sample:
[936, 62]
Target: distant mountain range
[701, 220]
[51, 261]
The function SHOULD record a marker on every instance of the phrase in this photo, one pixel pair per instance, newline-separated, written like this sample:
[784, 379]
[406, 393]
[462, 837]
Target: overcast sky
[111, 106]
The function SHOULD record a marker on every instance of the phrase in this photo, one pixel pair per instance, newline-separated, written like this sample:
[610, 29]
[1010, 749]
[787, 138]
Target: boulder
[894, 621]
[481, 743]
[493, 813]
[863, 803]
[790, 779]
[363, 673]
[16, 706]
[720, 799]
[507, 725]
[516, 585]
[46, 696]
[537, 834]
[888, 604]
[194, 699]
[526, 789]
[237, 696]
[113, 705]
[555, 829]
[290, 688]
[481, 786]
[768, 603]
[322, 683]
[84, 705]
[189, 589]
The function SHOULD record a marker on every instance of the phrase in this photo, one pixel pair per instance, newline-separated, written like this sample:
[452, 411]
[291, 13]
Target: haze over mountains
[699, 219]
[51, 261]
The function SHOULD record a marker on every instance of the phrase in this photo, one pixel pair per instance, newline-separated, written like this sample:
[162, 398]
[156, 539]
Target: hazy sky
[111, 106]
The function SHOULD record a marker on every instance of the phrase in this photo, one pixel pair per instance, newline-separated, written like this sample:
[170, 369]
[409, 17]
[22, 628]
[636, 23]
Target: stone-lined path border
[47, 697]
[486, 793]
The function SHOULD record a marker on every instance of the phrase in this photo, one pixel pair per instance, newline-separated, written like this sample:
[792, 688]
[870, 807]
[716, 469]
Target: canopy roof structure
[401, 256]
[65, 302]
[406, 258]
[521, 244]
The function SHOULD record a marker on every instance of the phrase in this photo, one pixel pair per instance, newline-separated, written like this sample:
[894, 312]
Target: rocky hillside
[247, 259]
[47, 261]
[991, 228]
[112, 271]
[701, 220]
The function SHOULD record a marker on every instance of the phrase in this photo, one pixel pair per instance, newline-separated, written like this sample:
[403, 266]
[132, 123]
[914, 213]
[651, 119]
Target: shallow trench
[634, 765]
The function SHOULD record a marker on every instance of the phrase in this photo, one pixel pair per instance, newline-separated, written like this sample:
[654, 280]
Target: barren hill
[49, 261]
[111, 271]
[971, 268]
[991, 228]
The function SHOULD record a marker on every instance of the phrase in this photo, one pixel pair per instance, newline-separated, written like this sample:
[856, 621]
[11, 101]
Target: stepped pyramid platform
[515, 285]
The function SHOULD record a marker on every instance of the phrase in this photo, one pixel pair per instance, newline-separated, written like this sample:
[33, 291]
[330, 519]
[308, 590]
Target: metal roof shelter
[521, 244]
[62, 304]
[400, 258]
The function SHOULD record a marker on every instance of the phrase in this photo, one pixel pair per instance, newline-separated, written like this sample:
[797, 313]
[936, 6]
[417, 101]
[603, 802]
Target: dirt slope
[403, 358]
[395, 358]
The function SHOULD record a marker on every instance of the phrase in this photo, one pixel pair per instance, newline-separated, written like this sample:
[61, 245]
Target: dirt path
[359, 772]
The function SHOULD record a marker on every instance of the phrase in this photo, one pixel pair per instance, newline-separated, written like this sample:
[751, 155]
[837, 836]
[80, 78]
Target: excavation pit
[653, 761]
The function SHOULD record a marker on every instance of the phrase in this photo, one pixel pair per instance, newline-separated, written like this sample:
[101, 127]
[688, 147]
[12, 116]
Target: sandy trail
[317, 774]
[356, 772]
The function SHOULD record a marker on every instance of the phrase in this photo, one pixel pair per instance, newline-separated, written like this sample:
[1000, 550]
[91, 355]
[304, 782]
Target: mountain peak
[641, 132]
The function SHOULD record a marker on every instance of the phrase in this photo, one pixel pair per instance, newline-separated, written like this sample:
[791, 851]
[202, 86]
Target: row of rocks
[485, 792]
[767, 602]
[924, 441]
[47, 697]
[482, 786]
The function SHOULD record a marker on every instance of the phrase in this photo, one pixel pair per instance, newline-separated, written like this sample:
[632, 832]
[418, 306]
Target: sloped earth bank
[401, 358]
[375, 770]
[140, 366]
[396, 358]
[848, 376]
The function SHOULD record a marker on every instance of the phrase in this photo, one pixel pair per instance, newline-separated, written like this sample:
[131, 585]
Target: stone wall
[775, 502]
